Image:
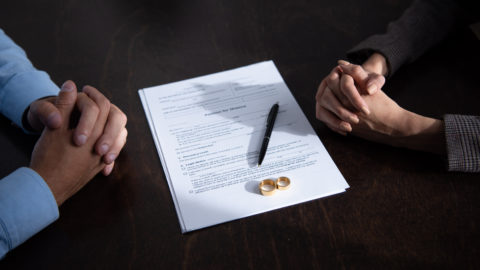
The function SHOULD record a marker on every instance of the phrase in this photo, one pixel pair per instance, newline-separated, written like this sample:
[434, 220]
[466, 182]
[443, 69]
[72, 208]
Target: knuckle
[320, 90]
[93, 108]
[118, 115]
[104, 104]
[347, 80]
[321, 98]
[319, 115]
[123, 118]
[356, 69]
[342, 113]
[323, 103]
[332, 78]
[87, 89]
[328, 97]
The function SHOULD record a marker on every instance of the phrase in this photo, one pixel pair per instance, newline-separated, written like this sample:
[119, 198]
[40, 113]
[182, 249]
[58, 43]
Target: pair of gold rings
[268, 186]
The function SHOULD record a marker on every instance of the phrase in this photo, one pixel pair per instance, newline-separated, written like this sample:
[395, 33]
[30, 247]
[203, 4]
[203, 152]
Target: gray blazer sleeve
[422, 25]
[462, 134]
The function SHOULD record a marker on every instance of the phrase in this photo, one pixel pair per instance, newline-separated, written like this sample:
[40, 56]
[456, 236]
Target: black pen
[272, 115]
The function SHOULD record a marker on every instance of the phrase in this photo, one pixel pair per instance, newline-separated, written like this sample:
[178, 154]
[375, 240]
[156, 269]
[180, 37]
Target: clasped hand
[68, 158]
[350, 100]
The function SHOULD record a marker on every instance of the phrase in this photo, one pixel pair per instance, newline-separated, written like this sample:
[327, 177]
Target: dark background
[403, 210]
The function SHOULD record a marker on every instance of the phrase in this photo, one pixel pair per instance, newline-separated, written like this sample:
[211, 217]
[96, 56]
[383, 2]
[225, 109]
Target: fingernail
[81, 139]
[103, 149]
[111, 158]
[354, 119]
[365, 110]
[346, 127]
[343, 62]
[108, 170]
[67, 86]
[371, 89]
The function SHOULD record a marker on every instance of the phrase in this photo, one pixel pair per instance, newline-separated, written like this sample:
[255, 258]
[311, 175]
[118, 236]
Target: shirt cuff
[462, 134]
[23, 89]
[26, 207]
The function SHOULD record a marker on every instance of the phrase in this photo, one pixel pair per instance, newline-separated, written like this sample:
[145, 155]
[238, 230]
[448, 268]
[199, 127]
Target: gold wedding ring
[283, 183]
[267, 187]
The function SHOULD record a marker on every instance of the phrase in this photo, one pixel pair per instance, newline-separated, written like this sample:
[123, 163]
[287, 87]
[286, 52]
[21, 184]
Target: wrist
[376, 63]
[422, 133]
[54, 188]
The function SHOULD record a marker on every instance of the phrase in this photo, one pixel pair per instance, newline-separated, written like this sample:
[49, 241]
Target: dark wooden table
[403, 209]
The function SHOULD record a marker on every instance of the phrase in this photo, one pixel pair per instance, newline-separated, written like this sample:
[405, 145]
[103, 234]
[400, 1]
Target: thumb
[66, 100]
[368, 82]
[44, 113]
[374, 83]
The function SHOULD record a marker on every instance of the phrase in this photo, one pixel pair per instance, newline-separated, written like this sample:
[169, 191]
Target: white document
[208, 132]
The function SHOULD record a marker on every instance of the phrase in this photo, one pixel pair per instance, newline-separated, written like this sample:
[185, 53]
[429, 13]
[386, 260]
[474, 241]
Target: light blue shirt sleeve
[26, 203]
[20, 82]
[26, 207]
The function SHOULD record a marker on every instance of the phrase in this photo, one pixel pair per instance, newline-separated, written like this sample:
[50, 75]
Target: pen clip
[272, 113]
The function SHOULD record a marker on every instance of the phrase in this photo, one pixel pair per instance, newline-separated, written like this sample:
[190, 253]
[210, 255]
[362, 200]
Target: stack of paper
[208, 132]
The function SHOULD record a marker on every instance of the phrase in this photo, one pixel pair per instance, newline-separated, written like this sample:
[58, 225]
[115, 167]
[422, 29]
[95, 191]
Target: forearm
[423, 24]
[20, 82]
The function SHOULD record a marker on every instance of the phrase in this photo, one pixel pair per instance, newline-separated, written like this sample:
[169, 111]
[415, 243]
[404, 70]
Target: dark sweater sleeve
[462, 134]
[422, 25]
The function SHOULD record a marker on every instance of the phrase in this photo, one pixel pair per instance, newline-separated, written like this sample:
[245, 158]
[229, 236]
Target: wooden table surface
[403, 210]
